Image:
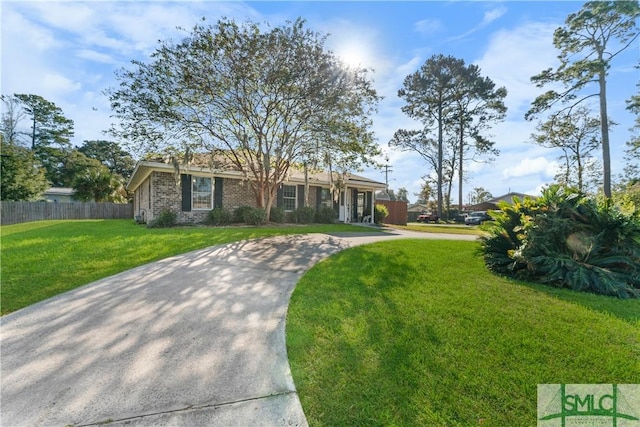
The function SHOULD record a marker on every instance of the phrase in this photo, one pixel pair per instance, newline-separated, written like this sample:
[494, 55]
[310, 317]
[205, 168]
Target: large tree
[478, 105]
[479, 195]
[455, 104]
[12, 114]
[50, 134]
[262, 100]
[21, 175]
[588, 43]
[632, 169]
[576, 134]
[99, 185]
[110, 154]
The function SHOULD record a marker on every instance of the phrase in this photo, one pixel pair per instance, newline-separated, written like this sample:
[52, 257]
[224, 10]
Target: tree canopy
[21, 175]
[455, 104]
[264, 100]
[588, 43]
[111, 155]
[576, 134]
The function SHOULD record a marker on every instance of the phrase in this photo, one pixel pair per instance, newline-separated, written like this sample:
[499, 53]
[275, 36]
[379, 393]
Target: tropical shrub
[565, 239]
[219, 216]
[380, 213]
[165, 219]
[325, 215]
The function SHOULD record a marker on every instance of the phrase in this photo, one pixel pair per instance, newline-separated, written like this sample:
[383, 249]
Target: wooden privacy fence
[17, 212]
[397, 212]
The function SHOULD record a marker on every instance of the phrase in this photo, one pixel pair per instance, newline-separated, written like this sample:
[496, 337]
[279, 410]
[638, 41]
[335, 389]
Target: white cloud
[538, 166]
[514, 56]
[95, 56]
[59, 84]
[427, 27]
[488, 17]
[492, 15]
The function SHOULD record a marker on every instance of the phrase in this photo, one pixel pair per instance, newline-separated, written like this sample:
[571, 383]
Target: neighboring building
[414, 210]
[59, 194]
[193, 192]
[492, 204]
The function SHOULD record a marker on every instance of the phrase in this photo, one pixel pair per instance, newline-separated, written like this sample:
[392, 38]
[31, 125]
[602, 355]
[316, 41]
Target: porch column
[373, 205]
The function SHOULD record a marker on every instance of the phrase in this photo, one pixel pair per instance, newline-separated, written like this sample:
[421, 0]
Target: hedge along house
[194, 191]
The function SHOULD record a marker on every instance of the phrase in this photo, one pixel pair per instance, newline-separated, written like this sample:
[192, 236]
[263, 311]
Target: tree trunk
[306, 185]
[461, 165]
[440, 155]
[33, 133]
[604, 126]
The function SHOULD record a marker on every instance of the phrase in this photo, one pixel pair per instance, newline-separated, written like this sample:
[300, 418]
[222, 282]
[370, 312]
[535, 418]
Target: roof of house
[509, 197]
[493, 203]
[144, 168]
[417, 207]
[59, 191]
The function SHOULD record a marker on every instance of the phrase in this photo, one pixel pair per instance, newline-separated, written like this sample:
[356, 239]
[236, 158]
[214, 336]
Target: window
[201, 193]
[325, 198]
[289, 197]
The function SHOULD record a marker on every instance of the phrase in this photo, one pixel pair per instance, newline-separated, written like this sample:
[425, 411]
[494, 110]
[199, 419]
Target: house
[195, 190]
[492, 204]
[59, 194]
[414, 210]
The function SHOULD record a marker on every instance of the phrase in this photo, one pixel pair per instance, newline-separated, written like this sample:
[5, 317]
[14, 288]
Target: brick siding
[237, 193]
[161, 192]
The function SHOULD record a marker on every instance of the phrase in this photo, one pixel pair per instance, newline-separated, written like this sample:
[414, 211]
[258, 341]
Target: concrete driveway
[196, 339]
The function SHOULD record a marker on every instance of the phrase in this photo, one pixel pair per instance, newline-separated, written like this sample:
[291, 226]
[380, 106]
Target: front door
[358, 204]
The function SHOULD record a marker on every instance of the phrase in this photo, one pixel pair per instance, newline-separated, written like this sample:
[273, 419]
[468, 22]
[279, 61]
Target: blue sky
[68, 52]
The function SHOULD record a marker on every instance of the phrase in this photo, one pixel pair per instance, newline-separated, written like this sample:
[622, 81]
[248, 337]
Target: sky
[68, 53]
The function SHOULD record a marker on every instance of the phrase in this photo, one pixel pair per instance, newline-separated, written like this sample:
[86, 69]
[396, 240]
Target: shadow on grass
[623, 309]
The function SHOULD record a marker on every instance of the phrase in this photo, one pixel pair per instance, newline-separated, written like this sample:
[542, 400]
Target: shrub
[566, 240]
[218, 216]
[255, 216]
[304, 215]
[239, 213]
[164, 220]
[381, 212]
[325, 215]
[276, 215]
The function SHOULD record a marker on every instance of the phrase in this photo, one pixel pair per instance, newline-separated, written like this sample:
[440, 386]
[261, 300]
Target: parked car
[428, 217]
[476, 218]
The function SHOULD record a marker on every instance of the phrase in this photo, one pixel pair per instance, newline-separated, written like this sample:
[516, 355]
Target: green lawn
[440, 228]
[378, 335]
[42, 259]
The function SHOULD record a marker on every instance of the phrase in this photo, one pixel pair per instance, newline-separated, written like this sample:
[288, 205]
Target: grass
[379, 336]
[440, 228]
[42, 259]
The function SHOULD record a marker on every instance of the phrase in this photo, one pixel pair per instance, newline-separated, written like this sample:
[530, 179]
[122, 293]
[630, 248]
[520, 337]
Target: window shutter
[300, 196]
[318, 197]
[185, 181]
[280, 197]
[217, 193]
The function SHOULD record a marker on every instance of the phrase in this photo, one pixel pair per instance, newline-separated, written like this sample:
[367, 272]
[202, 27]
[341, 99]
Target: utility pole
[387, 169]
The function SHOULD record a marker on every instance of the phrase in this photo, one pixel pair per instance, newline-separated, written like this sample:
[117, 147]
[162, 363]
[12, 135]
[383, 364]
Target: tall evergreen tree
[51, 133]
[454, 104]
[590, 40]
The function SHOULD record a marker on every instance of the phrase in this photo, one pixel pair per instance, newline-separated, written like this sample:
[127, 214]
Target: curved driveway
[196, 339]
